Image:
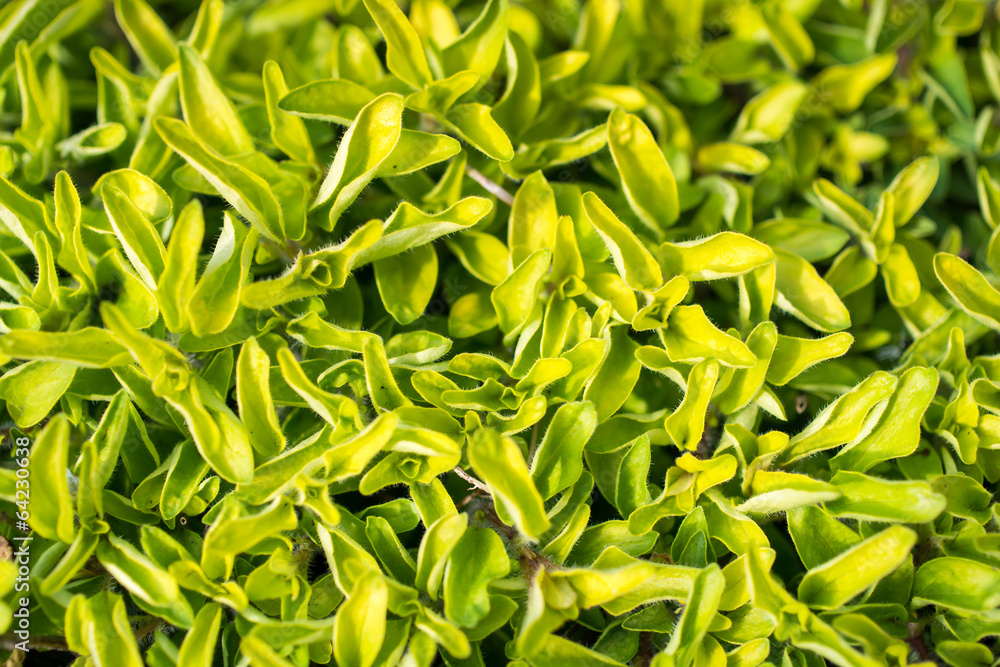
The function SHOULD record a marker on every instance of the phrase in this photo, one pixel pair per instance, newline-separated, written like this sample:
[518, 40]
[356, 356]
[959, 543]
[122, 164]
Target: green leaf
[690, 337]
[533, 219]
[809, 239]
[500, 464]
[836, 581]
[360, 625]
[71, 563]
[332, 100]
[177, 281]
[333, 408]
[770, 114]
[844, 87]
[480, 46]
[288, 132]
[873, 499]
[647, 180]
[441, 538]
[89, 347]
[404, 54]
[817, 536]
[965, 497]
[231, 535]
[92, 142]
[253, 396]
[409, 227]
[368, 142]
[146, 195]
[989, 197]
[746, 383]
[723, 255]
[957, 583]
[792, 356]
[686, 424]
[634, 262]
[478, 559]
[102, 615]
[616, 375]
[482, 255]
[897, 432]
[248, 193]
[416, 151]
[698, 612]
[220, 436]
[137, 235]
[558, 462]
[356, 59]
[843, 420]
[23, 215]
[902, 283]
[514, 298]
[345, 457]
[843, 209]
[185, 473]
[72, 253]
[382, 387]
[553, 152]
[314, 273]
[214, 300]
[734, 158]
[407, 282]
[969, 288]
[475, 124]
[207, 111]
[515, 111]
[198, 648]
[440, 96]
[51, 507]
[912, 186]
[803, 294]
[152, 587]
[775, 491]
[148, 35]
[32, 389]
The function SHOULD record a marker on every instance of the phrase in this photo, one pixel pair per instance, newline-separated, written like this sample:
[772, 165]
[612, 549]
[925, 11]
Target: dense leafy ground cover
[537, 332]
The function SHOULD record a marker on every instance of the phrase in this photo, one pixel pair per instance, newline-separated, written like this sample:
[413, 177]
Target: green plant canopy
[540, 333]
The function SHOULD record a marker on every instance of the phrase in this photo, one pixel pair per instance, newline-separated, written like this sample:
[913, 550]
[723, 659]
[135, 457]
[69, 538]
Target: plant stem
[490, 186]
[915, 639]
[45, 642]
[476, 484]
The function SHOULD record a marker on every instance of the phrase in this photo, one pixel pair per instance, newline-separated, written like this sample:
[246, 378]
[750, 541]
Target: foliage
[528, 332]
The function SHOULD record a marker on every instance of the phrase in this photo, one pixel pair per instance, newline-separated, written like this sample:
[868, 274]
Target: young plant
[495, 332]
